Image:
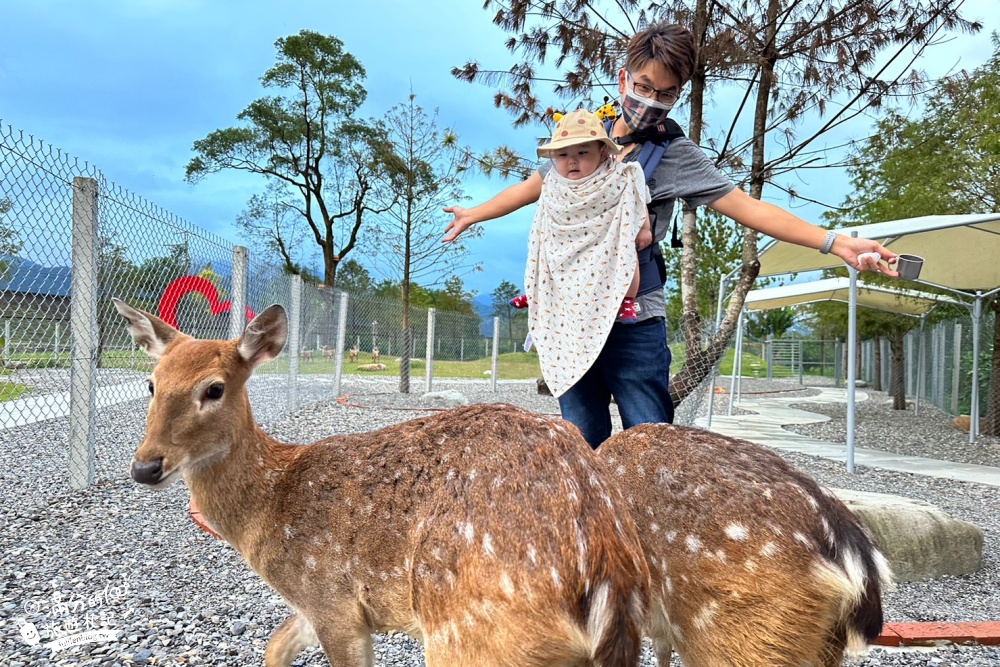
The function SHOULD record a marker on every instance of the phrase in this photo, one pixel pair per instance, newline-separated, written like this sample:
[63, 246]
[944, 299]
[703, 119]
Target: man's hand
[459, 223]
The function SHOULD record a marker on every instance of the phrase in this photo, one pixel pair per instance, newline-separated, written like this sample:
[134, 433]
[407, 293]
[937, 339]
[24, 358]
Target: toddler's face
[578, 161]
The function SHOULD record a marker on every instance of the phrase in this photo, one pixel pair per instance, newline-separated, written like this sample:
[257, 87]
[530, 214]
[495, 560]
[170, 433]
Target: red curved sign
[193, 284]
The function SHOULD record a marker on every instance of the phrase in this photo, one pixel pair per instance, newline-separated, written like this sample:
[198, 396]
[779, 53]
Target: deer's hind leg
[291, 638]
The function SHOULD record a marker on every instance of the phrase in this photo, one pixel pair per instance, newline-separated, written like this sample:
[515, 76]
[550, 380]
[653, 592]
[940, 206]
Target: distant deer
[307, 355]
[375, 354]
[490, 533]
[752, 563]
[354, 352]
[328, 353]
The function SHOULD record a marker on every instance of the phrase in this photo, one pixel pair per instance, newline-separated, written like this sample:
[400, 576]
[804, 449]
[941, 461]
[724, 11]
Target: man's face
[578, 161]
[652, 80]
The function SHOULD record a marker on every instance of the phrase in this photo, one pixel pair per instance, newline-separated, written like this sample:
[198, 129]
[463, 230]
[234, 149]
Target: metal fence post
[908, 354]
[801, 364]
[338, 364]
[496, 351]
[83, 325]
[956, 371]
[429, 364]
[294, 334]
[770, 357]
[238, 301]
[6, 340]
[838, 363]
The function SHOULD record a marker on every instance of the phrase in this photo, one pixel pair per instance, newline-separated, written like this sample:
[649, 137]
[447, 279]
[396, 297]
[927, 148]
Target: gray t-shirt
[684, 173]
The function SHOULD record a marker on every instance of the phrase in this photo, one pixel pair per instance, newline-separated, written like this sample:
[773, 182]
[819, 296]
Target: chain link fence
[70, 240]
[70, 376]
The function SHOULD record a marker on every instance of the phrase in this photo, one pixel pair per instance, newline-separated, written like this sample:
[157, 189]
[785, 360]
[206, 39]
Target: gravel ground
[122, 557]
[929, 434]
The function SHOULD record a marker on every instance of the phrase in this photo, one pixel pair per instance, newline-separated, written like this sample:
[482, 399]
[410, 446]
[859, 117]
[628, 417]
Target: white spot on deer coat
[488, 545]
[693, 544]
[310, 562]
[555, 578]
[704, 619]
[769, 550]
[506, 585]
[736, 531]
[600, 613]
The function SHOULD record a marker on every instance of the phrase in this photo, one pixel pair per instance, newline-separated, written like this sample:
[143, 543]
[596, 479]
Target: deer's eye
[214, 391]
[149, 383]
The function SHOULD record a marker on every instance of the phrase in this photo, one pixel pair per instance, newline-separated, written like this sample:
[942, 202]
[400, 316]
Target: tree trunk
[699, 361]
[877, 384]
[897, 372]
[991, 420]
[330, 261]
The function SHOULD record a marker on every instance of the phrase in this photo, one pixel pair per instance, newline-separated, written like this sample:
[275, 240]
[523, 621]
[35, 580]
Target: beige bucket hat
[577, 127]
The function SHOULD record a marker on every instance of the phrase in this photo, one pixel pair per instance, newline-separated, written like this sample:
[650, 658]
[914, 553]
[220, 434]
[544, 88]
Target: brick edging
[986, 633]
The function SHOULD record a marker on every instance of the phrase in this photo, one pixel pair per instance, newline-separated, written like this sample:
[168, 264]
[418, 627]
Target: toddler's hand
[643, 239]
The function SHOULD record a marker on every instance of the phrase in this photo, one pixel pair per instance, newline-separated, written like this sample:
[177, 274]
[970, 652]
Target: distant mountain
[482, 304]
[27, 277]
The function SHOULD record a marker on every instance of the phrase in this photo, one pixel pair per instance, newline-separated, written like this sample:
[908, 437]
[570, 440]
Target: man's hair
[669, 44]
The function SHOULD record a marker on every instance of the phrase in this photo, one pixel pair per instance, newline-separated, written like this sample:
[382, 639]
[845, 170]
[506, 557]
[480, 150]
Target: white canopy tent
[892, 299]
[960, 255]
[878, 297]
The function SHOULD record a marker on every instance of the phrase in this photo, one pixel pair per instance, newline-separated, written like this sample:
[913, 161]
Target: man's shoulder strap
[654, 142]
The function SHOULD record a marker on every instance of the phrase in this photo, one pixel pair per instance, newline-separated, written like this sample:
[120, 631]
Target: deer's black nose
[147, 472]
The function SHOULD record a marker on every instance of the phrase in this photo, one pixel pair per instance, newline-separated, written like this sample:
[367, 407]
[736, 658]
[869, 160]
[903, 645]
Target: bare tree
[421, 178]
[833, 60]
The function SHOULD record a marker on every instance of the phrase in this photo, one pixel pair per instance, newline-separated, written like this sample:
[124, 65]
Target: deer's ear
[148, 331]
[265, 336]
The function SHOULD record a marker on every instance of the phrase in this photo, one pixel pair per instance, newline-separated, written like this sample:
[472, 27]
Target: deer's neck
[237, 494]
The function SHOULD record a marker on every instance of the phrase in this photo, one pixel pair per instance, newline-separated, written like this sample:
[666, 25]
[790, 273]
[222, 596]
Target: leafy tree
[421, 178]
[792, 58]
[514, 319]
[453, 298]
[10, 244]
[719, 248]
[306, 137]
[773, 323]
[354, 278]
[946, 161]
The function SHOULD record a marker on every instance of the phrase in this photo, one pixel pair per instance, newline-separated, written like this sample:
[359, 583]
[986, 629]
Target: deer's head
[198, 398]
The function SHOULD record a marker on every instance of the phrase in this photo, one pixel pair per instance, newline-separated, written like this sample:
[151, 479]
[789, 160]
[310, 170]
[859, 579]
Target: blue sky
[129, 85]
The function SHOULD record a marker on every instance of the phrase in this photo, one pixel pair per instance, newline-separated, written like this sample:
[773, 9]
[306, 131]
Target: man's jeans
[634, 367]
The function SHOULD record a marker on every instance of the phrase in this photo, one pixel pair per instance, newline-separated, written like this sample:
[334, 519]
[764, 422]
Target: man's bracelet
[831, 236]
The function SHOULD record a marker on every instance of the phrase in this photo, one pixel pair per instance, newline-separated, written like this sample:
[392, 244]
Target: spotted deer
[752, 563]
[375, 355]
[491, 534]
[354, 352]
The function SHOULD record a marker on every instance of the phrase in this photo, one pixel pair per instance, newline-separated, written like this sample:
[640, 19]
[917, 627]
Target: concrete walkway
[772, 413]
[33, 409]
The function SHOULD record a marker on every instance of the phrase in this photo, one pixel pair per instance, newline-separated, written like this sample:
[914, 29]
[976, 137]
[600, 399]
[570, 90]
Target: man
[634, 365]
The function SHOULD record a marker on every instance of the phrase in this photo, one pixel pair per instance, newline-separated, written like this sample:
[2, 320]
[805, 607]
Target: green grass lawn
[11, 390]
[511, 366]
